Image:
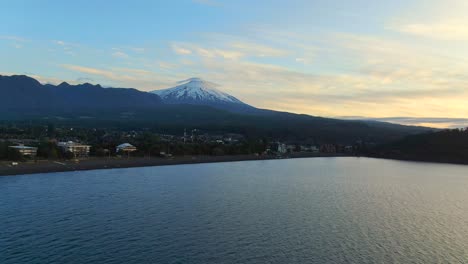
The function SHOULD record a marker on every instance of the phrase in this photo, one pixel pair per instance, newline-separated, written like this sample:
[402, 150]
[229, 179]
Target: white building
[282, 149]
[25, 150]
[78, 150]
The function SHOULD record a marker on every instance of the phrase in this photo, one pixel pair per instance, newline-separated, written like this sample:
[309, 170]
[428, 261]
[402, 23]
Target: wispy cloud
[126, 77]
[438, 20]
[180, 50]
[255, 49]
[450, 29]
[302, 60]
[15, 41]
[65, 44]
[14, 38]
[227, 50]
[206, 52]
[120, 55]
[68, 48]
[213, 53]
[93, 71]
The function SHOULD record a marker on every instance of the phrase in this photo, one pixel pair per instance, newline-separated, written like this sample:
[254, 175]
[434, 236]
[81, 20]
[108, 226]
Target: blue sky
[376, 59]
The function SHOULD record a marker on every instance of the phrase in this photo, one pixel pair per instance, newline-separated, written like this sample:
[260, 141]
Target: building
[25, 150]
[282, 148]
[125, 148]
[77, 149]
[312, 149]
[328, 148]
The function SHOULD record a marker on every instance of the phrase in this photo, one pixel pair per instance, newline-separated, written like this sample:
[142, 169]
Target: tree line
[449, 145]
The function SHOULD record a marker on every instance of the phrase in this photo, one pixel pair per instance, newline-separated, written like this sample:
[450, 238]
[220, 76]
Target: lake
[316, 210]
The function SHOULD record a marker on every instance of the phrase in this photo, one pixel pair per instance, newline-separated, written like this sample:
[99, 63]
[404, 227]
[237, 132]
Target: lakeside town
[33, 143]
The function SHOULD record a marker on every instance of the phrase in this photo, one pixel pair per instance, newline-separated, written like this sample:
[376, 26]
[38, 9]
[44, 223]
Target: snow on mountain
[196, 91]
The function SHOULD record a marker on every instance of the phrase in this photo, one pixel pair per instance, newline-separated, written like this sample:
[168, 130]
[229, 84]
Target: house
[125, 148]
[25, 150]
[282, 148]
[77, 149]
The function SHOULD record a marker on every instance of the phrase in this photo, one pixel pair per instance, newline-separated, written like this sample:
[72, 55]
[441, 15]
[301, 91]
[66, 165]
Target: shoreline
[50, 166]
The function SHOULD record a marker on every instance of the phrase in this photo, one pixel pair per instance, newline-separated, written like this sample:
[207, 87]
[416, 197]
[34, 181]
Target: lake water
[319, 210]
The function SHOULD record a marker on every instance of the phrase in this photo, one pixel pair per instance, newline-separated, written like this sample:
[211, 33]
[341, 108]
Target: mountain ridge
[24, 92]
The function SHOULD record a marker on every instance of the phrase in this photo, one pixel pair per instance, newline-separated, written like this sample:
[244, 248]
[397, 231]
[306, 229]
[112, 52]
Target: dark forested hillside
[173, 119]
[442, 146]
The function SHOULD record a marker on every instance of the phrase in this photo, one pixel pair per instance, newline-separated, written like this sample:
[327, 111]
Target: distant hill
[26, 100]
[23, 93]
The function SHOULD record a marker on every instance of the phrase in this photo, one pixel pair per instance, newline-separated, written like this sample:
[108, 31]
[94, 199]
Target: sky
[398, 61]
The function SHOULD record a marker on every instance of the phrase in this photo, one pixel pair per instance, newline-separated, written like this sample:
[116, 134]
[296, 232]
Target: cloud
[437, 20]
[15, 41]
[181, 51]
[302, 60]
[67, 47]
[126, 77]
[120, 55]
[227, 50]
[254, 49]
[212, 53]
[64, 44]
[94, 71]
[13, 38]
[450, 29]
[191, 49]
[249, 47]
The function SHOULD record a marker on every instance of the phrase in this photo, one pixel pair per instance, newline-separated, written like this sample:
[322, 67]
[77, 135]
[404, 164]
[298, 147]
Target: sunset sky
[399, 61]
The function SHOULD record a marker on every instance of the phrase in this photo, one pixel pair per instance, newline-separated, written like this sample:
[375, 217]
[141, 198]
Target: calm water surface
[321, 210]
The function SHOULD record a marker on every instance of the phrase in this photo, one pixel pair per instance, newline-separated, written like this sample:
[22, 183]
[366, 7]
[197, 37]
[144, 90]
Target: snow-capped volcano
[196, 91]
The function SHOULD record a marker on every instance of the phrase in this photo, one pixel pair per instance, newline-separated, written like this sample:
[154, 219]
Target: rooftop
[23, 147]
[71, 144]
